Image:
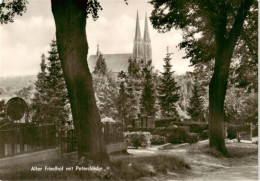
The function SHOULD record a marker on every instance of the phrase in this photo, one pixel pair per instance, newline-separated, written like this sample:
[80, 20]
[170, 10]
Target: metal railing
[26, 137]
[113, 133]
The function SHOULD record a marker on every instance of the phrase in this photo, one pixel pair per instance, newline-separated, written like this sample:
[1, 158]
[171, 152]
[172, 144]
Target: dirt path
[205, 167]
[245, 173]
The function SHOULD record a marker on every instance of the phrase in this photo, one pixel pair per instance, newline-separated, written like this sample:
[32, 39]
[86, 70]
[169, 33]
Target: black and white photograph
[134, 90]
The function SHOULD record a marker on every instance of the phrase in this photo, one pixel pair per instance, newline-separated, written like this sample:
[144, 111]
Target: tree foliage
[101, 66]
[196, 107]
[122, 98]
[201, 21]
[106, 92]
[168, 90]
[148, 93]
[129, 92]
[25, 93]
[10, 8]
[56, 90]
[39, 106]
[2, 110]
[50, 102]
[211, 31]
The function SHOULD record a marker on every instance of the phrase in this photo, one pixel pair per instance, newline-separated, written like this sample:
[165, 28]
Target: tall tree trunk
[70, 19]
[217, 93]
[219, 80]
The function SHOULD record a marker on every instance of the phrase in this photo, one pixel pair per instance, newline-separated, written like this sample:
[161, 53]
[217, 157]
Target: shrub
[183, 136]
[137, 139]
[164, 122]
[134, 168]
[204, 135]
[158, 140]
[194, 127]
[231, 132]
[193, 138]
[255, 131]
[198, 127]
[233, 129]
[172, 135]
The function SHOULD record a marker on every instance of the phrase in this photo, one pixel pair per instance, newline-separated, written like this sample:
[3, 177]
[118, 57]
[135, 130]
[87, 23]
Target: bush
[255, 131]
[231, 132]
[193, 138]
[172, 135]
[194, 127]
[158, 140]
[198, 127]
[164, 122]
[204, 135]
[134, 168]
[233, 129]
[182, 136]
[137, 139]
[159, 131]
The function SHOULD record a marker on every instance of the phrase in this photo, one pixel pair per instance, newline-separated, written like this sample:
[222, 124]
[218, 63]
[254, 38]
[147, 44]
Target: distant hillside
[10, 85]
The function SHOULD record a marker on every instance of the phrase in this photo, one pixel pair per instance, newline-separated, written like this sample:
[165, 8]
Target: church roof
[115, 62]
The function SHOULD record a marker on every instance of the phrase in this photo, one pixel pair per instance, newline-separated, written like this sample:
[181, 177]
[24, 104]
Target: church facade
[119, 62]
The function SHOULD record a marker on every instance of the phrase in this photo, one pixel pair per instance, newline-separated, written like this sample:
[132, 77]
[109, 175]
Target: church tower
[147, 53]
[138, 43]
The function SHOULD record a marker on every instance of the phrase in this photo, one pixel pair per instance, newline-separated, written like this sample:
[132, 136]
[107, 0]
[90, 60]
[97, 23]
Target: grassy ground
[235, 150]
[123, 167]
[179, 163]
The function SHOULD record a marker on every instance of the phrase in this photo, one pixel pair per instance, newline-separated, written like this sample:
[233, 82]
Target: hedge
[137, 139]
[233, 129]
[158, 140]
[194, 127]
[204, 135]
[172, 135]
[255, 131]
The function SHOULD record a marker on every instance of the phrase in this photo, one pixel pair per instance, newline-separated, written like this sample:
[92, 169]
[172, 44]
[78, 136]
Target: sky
[23, 42]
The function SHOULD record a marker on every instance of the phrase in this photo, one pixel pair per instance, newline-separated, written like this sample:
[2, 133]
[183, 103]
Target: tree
[39, 101]
[122, 99]
[131, 85]
[106, 94]
[148, 93]
[2, 110]
[25, 93]
[56, 88]
[219, 24]
[101, 66]
[168, 90]
[132, 99]
[70, 19]
[195, 109]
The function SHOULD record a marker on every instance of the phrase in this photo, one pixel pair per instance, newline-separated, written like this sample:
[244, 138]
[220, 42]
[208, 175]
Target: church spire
[147, 55]
[137, 29]
[98, 51]
[146, 31]
[138, 48]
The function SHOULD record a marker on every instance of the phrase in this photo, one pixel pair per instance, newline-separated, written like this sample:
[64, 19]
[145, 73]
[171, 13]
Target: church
[119, 62]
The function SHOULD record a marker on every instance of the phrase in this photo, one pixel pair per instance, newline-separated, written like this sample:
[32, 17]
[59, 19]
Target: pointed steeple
[146, 31]
[137, 29]
[147, 55]
[138, 43]
[98, 51]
